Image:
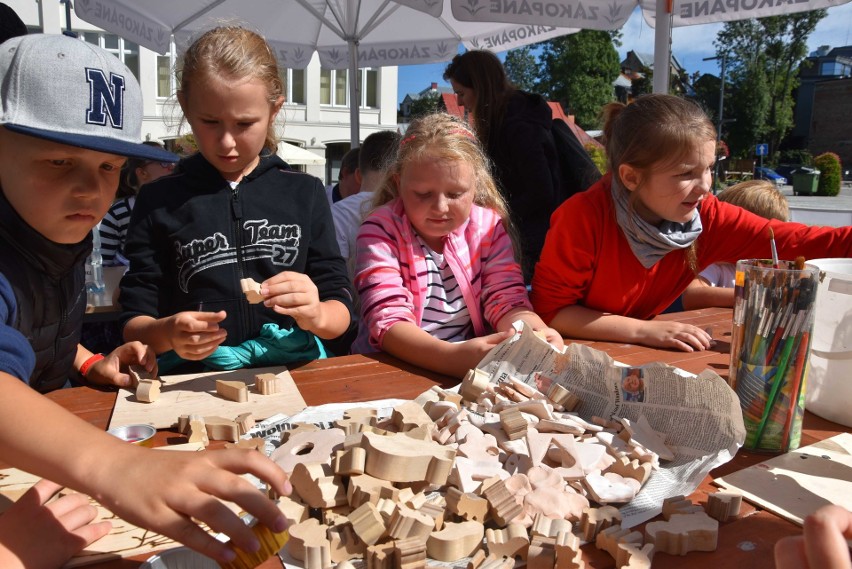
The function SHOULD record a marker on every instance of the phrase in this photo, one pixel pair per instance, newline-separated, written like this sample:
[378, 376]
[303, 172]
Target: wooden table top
[745, 541]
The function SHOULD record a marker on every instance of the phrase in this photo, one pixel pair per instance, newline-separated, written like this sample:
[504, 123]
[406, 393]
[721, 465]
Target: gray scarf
[648, 242]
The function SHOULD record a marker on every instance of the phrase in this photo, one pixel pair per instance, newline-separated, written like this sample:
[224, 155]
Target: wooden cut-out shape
[367, 523]
[318, 556]
[542, 553]
[308, 448]
[336, 516]
[555, 502]
[297, 428]
[294, 512]
[512, 542]
[559, 426]
[435, 510]
[407, 523]
[679, 505]
[355, 419]
[409, 415]
[254, 443]
[723, 506]
[609, 539]
[579, 459]
[513, 423]
[683, 533]
[643, 434]
[365, 488]
[245, 421]
[477, 559]
[148, 390]
[455, 541]
[595, 520]
[380, 556]
[398, 458]
[549, 527]
[350, 462]
[232, 390]
[562, 397]
[270, 544]
[269, 383]
[627, 468]
[467, 505]
[183, 425]
[607, 423]
[504, 507]
[631, 556]
[307, 533]
[197, 430]
[138, 373]
[410, 553]
[221, 429]
[474, 384]
[568, 555]
[316, 486]
[343, 543]
[251, 289]
[344, 565]
[610, 488]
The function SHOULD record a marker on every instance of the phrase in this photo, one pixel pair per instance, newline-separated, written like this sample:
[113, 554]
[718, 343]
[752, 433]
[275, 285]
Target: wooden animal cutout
[251, 288]
[316, 486]
[232, 390]
[467, 505]
[595, 520]
[455, 541]
[504, 507]
[512, 542]
[679, 505]
[410, 553]
[398, 458]
[542, 553]
[148, 390]
[221, 429]
[631, 556]
[269, 383]
[562, 397]
[308, 448]
[254, 443]
[549, 527]
[137, 373]
[304, 534]
[513, 423]
[343, 542]
[380, 556]
[406, 523]
[609, 539]
[367, 523]
[245, 421]
[197, 430]
[568, 554]
[723, 506]
[350, 462]
[683, 533]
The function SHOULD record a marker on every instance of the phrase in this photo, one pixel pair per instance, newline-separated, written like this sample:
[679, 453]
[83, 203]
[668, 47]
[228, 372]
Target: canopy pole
[354, 95]
[662, 46]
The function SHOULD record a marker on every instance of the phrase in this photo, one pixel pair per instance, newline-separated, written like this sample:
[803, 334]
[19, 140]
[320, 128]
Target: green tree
[772, 48]
[425, 105]
[578, 71]
[522, 68]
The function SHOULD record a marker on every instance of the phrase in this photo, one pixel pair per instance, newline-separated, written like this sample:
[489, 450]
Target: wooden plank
[195, 393]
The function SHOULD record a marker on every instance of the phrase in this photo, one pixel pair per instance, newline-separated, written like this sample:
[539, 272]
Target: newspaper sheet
[699, 416]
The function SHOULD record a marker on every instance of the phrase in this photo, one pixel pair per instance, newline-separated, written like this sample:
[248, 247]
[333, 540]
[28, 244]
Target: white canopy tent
[296, 155]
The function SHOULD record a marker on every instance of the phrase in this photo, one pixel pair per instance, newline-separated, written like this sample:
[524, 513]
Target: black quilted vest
[48, 281]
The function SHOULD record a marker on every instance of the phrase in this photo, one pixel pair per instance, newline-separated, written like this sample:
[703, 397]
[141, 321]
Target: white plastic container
[829, 385]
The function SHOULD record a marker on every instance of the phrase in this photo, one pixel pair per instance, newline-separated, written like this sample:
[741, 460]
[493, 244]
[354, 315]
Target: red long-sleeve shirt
[586, 259]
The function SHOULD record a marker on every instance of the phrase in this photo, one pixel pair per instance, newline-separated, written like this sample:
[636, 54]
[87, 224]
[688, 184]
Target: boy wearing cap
[70, 114]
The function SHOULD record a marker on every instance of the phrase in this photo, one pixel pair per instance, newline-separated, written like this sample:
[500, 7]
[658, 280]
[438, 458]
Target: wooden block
[350, 462]
[610, 488]
[562, 397]
[627, 468]
[365, 488]
[467, 506]
[513, 423]
[294, 512]
[148, 390]
[595, 520]
[398, 458]
[137, 373]
[504, 507]
[254, 443]
[549, 527]
[344, 544]
[609, 539]
[435, 510]
[568, 554]
[409, 415]
[380, 556]
[251, 289]
[221, 429]
[683, 533]
[245, 421]
[474, 384]
[297, 428]
[367, 523]
[197, 430]
[308, 447]
[183, 425]
[512, 542]
[679, 505]
[316, 486]
[542, 553]
[304, 534]
[410, 553]
[406, 523]
[338, 515]
[455, 541]
[270, 544]
[269, 383]
[723, 506]
[354, 420]
[232, 390]
[631, 556]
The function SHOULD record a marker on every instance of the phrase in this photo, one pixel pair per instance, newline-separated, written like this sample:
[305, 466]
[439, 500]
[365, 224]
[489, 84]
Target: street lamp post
[724, 58]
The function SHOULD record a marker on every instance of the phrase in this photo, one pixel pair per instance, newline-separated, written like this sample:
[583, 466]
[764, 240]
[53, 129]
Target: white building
[314, 117]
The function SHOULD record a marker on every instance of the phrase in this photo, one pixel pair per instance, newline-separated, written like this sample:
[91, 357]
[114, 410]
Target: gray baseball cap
[66, 90]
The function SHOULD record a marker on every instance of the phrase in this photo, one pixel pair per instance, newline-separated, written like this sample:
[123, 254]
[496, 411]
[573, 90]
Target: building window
[294, 86]
[334, 87]
[126, 51]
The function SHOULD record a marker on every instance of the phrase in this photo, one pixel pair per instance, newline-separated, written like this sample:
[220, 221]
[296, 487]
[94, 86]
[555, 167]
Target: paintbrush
[774, 250]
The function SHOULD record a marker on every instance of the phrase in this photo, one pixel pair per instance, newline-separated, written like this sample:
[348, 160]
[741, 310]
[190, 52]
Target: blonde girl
[435, 268]
[619, 254]
[233, 211]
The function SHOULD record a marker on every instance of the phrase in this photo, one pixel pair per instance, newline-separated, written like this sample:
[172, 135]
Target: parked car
[763, 173]
[787, 170]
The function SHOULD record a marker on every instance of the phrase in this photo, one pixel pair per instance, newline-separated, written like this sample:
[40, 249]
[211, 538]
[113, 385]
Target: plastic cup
[773, 324]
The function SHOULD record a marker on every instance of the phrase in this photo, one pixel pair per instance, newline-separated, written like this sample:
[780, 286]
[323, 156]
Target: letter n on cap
[106, 98]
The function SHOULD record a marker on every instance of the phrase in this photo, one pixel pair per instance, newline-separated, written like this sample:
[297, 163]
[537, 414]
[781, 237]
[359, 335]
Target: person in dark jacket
[514, 127]
[233, 211]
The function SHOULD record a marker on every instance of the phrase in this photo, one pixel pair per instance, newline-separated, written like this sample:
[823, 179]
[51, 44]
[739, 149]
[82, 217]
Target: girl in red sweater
[618, 254]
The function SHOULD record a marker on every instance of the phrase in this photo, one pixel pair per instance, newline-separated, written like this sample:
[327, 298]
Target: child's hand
[685, 337]
[112, 369]
[34, 533]
[471, 352]
[294, 294]
[176, 488]
[823, 543]
[196, 335]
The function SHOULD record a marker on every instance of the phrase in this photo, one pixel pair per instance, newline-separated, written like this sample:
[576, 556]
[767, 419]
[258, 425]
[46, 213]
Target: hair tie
[407, 139]
[463, 131]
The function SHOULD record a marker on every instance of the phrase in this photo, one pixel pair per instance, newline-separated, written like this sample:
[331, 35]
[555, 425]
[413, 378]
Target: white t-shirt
[720, 274]
[348, 214]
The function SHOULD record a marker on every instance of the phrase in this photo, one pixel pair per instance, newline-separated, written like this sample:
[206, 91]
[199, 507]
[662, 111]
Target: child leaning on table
[714, 286]
[435, 268]
[71, 113]
[619, 253]
[234, 210]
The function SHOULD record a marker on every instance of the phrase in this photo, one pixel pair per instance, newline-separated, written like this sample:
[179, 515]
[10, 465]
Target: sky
[690, 44]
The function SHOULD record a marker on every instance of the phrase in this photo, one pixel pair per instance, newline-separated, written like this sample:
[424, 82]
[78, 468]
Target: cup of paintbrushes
[773, 322]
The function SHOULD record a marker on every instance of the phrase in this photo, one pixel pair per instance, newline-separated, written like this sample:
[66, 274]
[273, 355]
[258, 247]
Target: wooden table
[745, 542]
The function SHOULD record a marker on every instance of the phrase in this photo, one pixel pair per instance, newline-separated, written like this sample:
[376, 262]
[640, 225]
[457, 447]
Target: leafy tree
[522, 68]
[578, 71]
[765, 53]
[426, 104]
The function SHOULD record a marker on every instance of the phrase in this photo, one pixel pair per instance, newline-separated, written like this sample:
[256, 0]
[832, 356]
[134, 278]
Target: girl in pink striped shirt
[435, 268]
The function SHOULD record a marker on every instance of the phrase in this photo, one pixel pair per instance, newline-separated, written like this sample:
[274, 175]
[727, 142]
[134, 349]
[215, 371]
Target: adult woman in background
[515, 129]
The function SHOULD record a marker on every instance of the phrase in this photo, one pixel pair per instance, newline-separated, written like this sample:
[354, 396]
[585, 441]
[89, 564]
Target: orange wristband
[84, 369]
